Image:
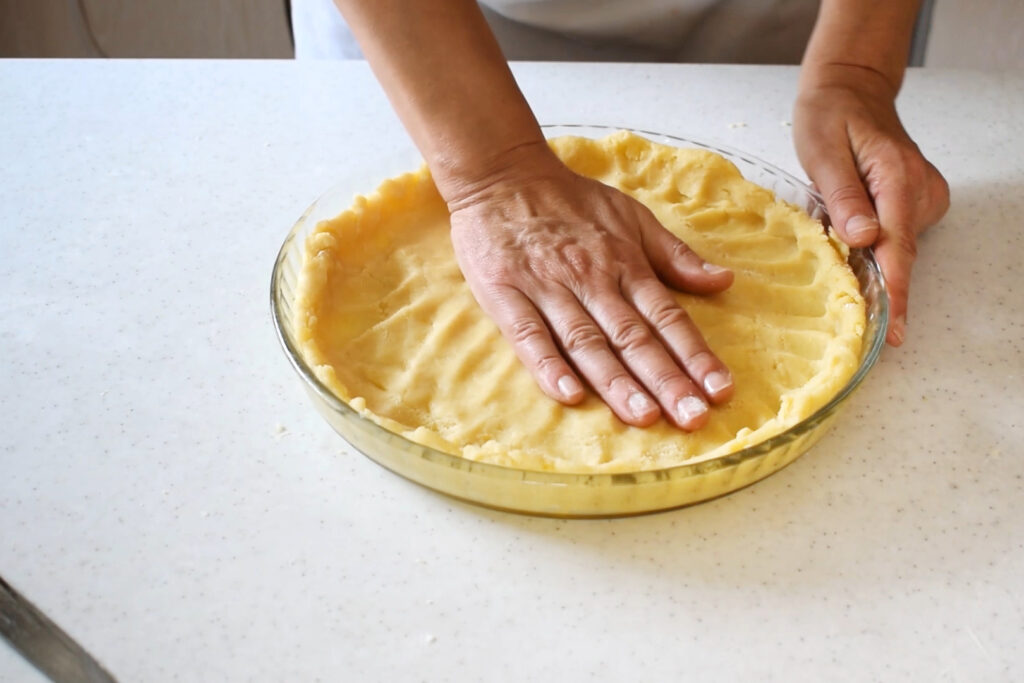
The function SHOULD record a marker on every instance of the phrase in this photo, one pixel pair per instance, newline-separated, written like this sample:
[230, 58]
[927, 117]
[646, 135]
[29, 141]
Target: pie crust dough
[389, 325]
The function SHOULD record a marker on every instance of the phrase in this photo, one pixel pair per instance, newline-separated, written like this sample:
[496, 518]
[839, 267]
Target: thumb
[677, 264]
[846, 199]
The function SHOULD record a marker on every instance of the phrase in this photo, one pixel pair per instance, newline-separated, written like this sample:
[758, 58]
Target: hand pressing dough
[389, 325]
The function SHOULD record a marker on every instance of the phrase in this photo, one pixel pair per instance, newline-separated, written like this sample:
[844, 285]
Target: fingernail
[712, 269]
[640, 405]
[689, 408]
[717, 381]
[859, 225]
[569, 386]
[899, 329]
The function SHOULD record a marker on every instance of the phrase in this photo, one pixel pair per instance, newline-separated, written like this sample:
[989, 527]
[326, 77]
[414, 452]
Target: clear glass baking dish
[578, 495]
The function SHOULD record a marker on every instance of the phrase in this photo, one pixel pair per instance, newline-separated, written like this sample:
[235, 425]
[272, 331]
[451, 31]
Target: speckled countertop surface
[169, 496]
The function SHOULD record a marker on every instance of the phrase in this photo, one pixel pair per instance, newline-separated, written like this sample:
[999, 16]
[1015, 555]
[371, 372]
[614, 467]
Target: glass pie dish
[560, 494]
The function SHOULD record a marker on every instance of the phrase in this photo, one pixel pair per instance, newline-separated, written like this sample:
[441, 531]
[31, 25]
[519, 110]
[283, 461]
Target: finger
[521, 323]
[643, 354]
[895, 252]
[935, 198]
[850, 209]
[676, 263]
[587, 347]
[681, 337]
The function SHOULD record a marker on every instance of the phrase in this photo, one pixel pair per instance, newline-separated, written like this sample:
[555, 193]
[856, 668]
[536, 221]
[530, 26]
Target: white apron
[740, 31]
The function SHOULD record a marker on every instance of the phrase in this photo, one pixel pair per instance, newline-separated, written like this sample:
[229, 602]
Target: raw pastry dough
[388, 323]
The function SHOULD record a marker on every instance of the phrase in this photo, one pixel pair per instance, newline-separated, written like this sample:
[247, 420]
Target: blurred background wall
[145, 28]
[976, 33]
[965, 33]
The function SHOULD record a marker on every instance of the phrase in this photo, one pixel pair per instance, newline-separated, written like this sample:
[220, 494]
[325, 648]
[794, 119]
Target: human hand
[878, 188]
[569, 270]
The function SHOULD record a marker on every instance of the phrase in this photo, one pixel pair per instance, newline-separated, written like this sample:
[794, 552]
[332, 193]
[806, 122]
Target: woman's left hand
[878, 188]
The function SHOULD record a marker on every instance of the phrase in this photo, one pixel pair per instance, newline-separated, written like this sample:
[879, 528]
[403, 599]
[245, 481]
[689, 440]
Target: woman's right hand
[567, 267]
[572, 272]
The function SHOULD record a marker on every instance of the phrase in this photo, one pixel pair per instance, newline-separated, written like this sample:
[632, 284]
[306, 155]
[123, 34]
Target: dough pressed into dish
[389, 325]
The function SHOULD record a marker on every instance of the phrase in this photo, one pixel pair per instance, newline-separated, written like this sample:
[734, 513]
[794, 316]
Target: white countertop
[150, 506]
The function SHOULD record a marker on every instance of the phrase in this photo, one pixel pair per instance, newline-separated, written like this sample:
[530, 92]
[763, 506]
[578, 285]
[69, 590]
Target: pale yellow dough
[387, 321]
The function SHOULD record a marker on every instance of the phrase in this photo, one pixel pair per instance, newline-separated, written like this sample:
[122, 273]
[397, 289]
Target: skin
[569, 270]
[879, 189]
[576, 274]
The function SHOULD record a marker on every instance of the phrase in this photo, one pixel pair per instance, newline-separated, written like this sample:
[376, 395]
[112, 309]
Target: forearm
[868, 35]
[444, 74]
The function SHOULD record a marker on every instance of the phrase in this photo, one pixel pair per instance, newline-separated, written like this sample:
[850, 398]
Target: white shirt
[751, 31]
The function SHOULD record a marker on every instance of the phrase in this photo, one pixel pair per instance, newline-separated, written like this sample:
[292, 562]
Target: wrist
[869, 36]
[465, 179]
[862, 79]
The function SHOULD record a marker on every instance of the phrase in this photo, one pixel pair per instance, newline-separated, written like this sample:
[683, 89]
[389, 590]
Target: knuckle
[845, 194]
[579, 261]
[523, 331]
[577, 258]
[549, 363]
[496, 271]
[579, 269]
[665, 379]
[630, 335]
[634, 272]
[915, 173]
[680, 250]
[582, 337]
[911, 155]
[668, 315]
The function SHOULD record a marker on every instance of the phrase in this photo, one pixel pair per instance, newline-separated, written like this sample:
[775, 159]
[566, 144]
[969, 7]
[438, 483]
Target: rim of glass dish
[631, 477]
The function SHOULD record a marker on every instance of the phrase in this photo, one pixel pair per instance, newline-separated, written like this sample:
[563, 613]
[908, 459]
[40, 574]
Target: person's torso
[753, 31]
[691, 30]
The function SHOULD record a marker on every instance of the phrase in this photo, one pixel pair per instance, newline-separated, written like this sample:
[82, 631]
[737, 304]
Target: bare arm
[448, 82]
[571, 270]
[879, 188]
[868, 34]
